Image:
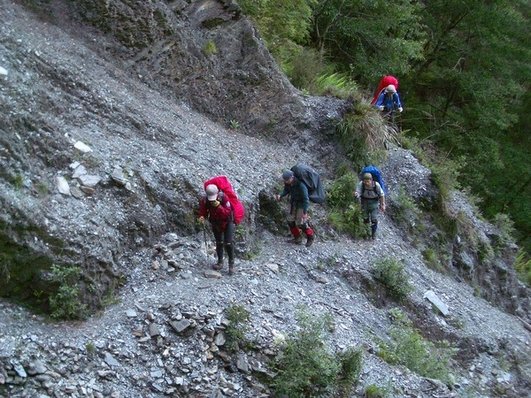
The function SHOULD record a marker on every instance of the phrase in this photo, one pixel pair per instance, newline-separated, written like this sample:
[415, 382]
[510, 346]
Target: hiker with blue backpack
[372, 196]
[298, 220]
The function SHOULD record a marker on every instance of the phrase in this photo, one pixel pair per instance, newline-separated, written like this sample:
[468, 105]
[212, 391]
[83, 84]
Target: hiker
[389, 100]
[216, 207]
[384, 82]
[372, 196]
[300, 202]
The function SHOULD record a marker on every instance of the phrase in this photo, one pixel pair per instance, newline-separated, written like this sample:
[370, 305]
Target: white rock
[62, 186]
[82, 147]
[436, 301]
[3, 71]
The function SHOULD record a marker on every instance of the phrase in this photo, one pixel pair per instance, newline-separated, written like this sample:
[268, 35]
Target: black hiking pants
[224, 241]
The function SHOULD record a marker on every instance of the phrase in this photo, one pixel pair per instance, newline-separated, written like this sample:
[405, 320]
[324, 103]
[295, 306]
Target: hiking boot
[310, 240]
[231, 269]
[217, 266]
[297, 240]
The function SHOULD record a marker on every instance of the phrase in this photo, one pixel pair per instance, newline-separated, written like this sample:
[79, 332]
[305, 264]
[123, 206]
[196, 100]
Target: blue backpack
[376, 176]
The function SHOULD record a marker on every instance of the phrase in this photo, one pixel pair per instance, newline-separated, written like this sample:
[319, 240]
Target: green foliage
[90, 348]
[350, 362]
[238, 317]
[336, 84]
[432, 259]
[306, 368]
[407, 347]
[406, 212]
[234, 124]
[345, 214]
[363, 135]
[374, 391]
[392, 275]
[65, 303]
[370, 38]
[304, 65]
[210, 48]
[522, 265]
[18, 181]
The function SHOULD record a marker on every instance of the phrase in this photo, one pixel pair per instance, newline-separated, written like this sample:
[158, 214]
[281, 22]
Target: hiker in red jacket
[215, 207]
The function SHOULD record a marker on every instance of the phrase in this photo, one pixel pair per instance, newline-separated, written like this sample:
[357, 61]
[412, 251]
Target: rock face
[66, 104]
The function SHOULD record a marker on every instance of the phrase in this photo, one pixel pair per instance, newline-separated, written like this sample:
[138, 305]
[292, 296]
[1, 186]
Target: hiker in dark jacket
[298, 221]
[389, 100]
[372, 196]
[215, 207]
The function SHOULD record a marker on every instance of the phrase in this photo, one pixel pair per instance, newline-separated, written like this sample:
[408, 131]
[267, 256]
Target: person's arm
[224, 209]
[285, 191]
[397, 102]
[203, 212]
[380, 101]
[357, 191]
[305, 197]
[381, 197]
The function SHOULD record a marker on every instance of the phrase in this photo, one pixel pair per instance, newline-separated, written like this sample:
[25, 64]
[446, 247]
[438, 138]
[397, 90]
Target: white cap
[212, 192]
[390, 89]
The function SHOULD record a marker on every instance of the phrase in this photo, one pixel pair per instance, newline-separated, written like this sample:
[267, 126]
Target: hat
[212, 192]
[367, 176]
[287, 174]
[390, 89]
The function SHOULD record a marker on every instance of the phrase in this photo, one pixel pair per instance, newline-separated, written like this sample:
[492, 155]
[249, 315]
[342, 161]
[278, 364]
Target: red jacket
[218, 216]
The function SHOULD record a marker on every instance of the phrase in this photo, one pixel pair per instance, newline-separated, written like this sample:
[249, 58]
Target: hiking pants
[369, 209]
[296, 223]
[224, 241]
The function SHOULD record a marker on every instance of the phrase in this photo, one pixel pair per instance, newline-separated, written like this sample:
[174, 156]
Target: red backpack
[384, 82]
[224, 185]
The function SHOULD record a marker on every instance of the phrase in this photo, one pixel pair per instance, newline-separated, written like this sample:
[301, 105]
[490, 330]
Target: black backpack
[312, 180]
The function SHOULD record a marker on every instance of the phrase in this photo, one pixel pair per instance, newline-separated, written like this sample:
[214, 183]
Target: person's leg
[305, 227]
[374, 221]
[366, 214]
[218, 236]
[228, 237]
[294, 229]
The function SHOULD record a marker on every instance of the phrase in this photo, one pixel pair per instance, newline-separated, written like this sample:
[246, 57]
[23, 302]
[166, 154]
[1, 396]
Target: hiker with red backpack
[389, 101]
[372, 196]
[298, 220]
[215, 207]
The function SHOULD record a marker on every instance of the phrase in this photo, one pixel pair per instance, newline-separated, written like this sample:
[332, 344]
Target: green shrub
[406, 211]
[374, 391]
[336, 84]
[522, 265]
[432, 260]
[345, 213]
[350, 361]
[391, 274]
[421, 356]
[363, 134]
[210, 48]
[65, 303]
[306, 368]
[238, 317]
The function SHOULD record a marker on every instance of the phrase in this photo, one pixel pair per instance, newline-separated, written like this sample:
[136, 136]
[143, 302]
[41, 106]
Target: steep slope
[150, 151]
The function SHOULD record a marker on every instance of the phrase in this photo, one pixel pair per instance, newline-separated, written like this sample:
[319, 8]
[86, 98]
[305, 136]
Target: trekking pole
[205, 239]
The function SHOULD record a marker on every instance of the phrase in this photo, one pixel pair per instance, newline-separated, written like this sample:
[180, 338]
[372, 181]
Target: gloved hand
[277, 197]
[214, 203]
[400, 109]
[356, 194]
[381, 107]
[201, 219]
